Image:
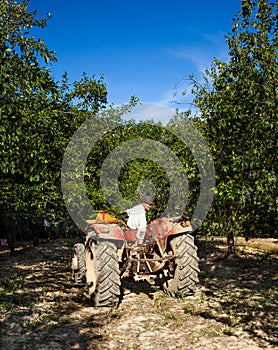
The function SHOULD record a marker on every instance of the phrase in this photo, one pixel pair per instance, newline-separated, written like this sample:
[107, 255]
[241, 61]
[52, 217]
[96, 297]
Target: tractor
[111, 252]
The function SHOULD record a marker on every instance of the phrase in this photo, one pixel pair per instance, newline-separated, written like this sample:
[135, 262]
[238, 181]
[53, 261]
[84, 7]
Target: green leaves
[240, 111]
[37, 117]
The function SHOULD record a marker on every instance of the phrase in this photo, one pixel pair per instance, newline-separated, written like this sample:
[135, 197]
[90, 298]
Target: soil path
[235, 306]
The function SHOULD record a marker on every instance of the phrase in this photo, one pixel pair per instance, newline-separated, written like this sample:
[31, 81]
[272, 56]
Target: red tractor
[110, 253]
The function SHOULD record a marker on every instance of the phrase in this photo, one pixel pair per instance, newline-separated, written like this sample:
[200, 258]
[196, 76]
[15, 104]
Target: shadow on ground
[40, 305]
[41, 308]
[241, 291]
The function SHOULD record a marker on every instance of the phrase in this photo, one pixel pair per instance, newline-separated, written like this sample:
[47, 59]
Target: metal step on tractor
[110, 252]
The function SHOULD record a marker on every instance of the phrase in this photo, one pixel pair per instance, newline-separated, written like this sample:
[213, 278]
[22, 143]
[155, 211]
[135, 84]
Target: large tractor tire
[181, 276]
[78, 262]
[103, 274]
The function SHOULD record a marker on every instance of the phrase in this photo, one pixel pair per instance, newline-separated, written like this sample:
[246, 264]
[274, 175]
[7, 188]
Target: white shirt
[136, 217]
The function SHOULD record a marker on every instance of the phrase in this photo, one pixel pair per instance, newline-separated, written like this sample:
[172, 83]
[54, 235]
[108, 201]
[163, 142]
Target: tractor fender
[105, 233]
[91, 237]
[161, 229]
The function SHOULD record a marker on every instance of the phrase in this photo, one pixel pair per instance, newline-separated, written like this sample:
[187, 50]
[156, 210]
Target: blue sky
[143, 48]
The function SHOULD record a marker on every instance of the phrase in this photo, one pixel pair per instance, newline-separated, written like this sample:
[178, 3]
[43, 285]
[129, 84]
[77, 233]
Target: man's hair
[147, 200]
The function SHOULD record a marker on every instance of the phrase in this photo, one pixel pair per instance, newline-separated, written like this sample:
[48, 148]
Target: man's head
[147, 202]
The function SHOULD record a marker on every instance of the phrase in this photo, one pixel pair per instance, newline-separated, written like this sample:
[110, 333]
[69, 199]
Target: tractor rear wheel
[78, 262]
[181, 276]
[105, 289]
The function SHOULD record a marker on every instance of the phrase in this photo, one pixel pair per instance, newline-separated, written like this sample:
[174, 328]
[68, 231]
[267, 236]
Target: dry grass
[235, 305]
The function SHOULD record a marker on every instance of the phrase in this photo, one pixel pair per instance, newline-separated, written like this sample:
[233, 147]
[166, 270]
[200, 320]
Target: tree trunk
[230, 243]
[34, 232]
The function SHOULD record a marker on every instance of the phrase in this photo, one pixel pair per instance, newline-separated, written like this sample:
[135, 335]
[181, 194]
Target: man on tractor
[137, 218]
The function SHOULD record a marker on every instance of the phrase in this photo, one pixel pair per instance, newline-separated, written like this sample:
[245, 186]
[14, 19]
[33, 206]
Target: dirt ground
[235, 306]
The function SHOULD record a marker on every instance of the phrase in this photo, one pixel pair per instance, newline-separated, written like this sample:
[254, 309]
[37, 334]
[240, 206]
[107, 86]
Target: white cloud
[146, 111]
[179, 97]
[202, 55]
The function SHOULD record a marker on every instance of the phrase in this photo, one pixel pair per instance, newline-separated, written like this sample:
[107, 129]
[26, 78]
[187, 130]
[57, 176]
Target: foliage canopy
[238, 103]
